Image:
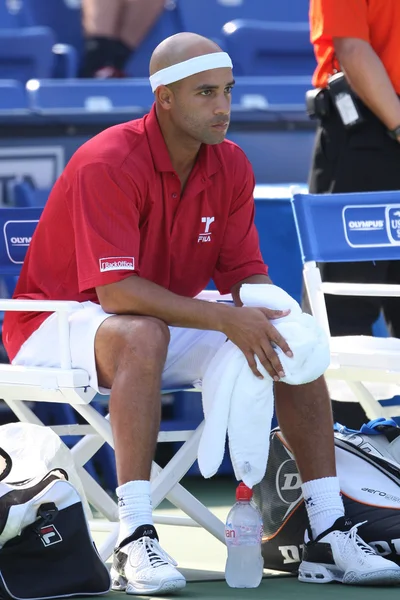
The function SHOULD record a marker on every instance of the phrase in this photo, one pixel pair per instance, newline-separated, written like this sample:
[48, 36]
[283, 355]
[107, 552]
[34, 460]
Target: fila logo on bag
[205, 236]
[49, 536]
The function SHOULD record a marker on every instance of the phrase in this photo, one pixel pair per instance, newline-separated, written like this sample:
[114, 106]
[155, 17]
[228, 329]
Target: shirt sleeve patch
[117, 263]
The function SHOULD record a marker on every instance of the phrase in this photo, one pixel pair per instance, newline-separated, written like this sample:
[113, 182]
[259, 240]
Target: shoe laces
[358, 543]
[157, 556]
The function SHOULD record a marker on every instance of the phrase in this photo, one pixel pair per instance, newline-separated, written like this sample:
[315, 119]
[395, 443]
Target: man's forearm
[369, 79]
[138, 296]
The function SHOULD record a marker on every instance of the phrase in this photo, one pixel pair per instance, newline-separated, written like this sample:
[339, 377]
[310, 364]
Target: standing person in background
[357, 151]
[113, 29]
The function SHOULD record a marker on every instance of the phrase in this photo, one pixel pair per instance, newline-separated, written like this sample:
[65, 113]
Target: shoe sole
[317, 573]
[120, 584]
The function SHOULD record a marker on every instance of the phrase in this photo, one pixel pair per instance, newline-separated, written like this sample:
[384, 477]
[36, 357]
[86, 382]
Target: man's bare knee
[124, 340]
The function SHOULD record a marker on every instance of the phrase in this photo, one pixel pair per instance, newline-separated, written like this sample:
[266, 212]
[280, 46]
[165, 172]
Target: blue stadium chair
[22, 194]
[85, 97]
[207, 17]
[276, 95]
[342, 228]
[26, 53]
[268, 48]
[280, 153]
[66, 61]
[62, 16]
[13, 98]
[14, 15]
[18, 17]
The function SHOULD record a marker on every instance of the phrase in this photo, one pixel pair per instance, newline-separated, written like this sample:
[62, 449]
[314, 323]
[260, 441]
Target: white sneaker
[339, 554]
[141, 566]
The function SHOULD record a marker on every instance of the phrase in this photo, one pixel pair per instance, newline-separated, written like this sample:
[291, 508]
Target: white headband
[184, 69]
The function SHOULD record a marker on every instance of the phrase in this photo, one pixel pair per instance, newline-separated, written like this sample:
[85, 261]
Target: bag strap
[47, 513]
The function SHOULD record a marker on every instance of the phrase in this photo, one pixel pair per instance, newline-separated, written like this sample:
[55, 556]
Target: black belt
[318, 103]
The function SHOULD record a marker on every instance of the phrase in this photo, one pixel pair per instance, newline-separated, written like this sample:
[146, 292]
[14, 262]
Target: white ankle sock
[323, 502]
[134, 506]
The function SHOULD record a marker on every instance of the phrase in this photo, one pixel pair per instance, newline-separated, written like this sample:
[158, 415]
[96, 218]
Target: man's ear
[164, 97]
[5, 464]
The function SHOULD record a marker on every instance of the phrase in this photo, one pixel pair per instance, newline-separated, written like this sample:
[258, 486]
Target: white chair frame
[19, 386]
[381, 366]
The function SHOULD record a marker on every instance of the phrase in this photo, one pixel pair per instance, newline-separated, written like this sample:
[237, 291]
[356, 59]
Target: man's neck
[182, 150]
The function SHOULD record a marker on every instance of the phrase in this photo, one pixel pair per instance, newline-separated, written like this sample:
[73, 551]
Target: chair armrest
[360, 289]
[61, 308]
[66, 61]
[39, 305]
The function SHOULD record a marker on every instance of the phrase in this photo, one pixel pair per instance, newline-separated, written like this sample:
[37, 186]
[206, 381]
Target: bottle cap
[243, 492]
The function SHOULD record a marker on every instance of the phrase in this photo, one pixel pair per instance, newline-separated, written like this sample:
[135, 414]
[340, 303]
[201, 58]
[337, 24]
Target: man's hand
[250, 330]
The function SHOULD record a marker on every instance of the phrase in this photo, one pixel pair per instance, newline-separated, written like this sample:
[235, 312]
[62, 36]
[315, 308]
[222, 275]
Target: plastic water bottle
[243, 534]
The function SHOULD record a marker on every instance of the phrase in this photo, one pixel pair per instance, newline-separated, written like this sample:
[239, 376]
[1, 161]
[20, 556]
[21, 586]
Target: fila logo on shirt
[205, 236]
[117, 263]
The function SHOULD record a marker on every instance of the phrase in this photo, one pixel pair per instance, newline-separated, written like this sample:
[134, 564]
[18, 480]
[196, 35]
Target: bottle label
[243, 535]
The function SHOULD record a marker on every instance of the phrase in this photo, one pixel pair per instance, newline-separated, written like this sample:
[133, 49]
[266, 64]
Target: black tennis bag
[368, 467]
[46, 550]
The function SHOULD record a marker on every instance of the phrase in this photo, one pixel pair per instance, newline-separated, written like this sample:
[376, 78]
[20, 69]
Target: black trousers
[365, 159]
[357, 160]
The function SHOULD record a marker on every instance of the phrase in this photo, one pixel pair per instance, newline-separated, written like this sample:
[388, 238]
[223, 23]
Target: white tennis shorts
[189, 352]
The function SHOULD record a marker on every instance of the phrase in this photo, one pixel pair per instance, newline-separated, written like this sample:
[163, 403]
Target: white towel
[237, 403]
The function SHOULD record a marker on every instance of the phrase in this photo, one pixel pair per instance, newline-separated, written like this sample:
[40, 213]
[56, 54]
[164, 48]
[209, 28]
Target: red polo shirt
[117, 211]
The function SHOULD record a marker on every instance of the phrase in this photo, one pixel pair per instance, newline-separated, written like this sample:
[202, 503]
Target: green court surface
[201, 558]
[274, 588]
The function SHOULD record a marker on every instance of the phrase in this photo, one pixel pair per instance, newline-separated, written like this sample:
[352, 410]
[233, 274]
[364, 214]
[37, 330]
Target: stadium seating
[269, 48]
[26, 53]
[62, 16]
[207, 17]
[66, 61]
[280, 96]
[286, 21]
[14, 14]
[13, 98]
[27, 47]
[83, 97]
[23, 195]
[276, 96]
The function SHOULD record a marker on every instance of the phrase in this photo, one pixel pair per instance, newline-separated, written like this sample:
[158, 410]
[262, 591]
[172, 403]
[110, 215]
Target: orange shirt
[375, 21]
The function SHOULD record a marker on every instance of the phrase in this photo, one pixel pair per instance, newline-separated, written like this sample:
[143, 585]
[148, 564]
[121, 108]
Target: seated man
[142, 217]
